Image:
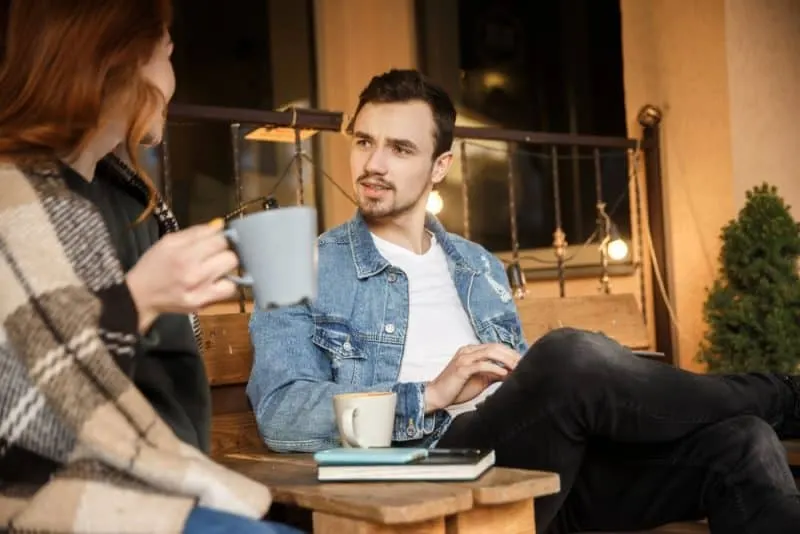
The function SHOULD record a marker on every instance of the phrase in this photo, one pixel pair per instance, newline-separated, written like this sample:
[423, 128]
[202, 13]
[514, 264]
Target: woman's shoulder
[39, 214]
[31, 183]
[38, 192]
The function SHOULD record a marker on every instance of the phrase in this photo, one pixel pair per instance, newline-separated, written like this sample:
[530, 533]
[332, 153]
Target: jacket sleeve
[292, 387]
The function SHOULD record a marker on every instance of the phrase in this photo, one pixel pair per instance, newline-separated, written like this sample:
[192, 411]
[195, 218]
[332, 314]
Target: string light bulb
[617, 249]
[435, 203]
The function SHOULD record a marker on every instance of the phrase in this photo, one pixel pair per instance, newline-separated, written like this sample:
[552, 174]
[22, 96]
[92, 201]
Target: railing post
[650, 119]
[237, 180]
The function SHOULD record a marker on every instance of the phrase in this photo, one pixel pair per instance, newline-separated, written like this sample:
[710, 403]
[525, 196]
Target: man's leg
[733, 472]
[573, 385]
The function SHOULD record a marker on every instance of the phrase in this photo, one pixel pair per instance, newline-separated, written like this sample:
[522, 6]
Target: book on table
[402, 464]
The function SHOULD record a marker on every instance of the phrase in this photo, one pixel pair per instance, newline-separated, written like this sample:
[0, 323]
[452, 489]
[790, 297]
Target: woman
[103, 400]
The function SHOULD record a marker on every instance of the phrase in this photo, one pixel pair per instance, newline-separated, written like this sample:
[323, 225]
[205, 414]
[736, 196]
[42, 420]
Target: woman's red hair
[64, 62]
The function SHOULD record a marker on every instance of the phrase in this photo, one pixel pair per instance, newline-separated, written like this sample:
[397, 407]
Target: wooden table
[500, 502]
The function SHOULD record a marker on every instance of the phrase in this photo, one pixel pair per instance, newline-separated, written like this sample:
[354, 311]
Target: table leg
[334, 524]
[511, 518]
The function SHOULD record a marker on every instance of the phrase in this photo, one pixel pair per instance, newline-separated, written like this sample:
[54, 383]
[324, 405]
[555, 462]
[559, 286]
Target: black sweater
[167, 367]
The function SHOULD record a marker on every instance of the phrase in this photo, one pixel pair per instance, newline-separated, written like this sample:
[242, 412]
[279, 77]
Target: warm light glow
[435, 203]
[617, 250]
[494, 80]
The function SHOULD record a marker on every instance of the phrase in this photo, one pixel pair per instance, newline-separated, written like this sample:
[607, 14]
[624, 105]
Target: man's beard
[377, 209]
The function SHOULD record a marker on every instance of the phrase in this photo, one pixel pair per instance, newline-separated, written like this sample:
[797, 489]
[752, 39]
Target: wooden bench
[618, 316]
[501, 501]
[399, 507]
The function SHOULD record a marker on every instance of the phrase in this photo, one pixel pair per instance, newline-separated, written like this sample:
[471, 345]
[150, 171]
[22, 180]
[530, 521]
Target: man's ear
[441, 167]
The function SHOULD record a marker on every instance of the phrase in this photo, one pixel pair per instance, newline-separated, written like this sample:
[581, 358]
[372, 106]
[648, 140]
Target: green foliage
[753, 307]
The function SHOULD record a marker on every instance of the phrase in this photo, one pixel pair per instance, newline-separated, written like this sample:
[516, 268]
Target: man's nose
[376, 163]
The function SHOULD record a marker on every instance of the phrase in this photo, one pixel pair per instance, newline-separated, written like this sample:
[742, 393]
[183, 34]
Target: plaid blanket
[94, 455]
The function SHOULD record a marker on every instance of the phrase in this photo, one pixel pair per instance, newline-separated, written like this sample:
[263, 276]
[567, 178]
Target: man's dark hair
[408, 85]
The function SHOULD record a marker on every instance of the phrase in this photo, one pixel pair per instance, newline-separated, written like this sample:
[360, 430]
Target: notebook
[402, 464]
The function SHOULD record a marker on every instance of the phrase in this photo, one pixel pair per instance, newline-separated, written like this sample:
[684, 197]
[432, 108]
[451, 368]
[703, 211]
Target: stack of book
[402, 464]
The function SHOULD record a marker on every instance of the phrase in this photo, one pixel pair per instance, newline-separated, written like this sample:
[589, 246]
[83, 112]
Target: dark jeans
[638, 443]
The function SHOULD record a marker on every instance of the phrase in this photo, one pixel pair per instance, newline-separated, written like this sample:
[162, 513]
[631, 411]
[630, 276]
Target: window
[538, 66]
[255, 54]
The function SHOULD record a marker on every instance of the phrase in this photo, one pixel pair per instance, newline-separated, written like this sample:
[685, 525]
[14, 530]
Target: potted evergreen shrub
[753, 308]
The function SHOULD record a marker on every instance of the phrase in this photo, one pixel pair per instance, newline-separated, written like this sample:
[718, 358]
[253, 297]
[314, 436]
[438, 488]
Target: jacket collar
[369, 261]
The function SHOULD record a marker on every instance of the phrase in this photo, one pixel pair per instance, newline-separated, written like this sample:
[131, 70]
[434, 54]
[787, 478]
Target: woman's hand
[182, 273]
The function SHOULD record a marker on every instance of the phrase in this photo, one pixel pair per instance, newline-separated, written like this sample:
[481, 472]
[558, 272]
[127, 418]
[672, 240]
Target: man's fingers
[496, 353]
[502, 355]
[469, 349]
[508, 358]
[487, 368]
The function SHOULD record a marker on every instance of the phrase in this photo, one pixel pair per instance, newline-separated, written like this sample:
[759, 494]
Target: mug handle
[246, 280]
[348, 428]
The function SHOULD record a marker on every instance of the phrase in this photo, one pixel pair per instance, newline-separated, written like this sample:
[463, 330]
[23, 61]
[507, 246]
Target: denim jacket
[350, 339]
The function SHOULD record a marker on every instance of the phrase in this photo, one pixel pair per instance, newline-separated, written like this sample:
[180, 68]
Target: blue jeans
[638, 443]
[207, 521]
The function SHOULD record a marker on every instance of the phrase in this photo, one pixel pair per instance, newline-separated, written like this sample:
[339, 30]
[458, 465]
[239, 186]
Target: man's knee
[752, 434]
[569, 352]
[749, 444]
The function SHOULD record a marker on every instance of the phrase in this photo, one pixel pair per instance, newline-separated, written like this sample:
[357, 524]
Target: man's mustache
[375, 180]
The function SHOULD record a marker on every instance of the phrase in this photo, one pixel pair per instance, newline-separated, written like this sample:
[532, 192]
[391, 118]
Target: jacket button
[347, 346]
[389, 328]
[392, 278]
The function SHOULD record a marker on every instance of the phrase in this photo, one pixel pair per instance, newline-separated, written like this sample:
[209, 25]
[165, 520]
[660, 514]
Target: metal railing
[645, 148]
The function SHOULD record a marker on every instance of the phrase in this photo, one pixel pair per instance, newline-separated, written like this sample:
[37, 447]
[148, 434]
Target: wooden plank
[618, 316]
[229, 399]
[228, 353]
[332, 524]
[503, 486]
[228, 306]
[235, 432]
[510, 518]
[293, 481]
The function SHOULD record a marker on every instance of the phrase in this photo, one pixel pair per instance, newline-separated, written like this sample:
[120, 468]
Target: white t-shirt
[438, 325]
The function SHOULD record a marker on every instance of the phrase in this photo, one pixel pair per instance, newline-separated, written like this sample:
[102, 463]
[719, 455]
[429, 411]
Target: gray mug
[278, 252]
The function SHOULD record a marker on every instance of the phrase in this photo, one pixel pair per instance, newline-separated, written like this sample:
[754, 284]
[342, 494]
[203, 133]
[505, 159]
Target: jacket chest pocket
[346, 352]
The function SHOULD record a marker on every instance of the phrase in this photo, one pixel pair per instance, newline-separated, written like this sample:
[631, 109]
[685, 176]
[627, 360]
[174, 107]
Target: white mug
[365, 419]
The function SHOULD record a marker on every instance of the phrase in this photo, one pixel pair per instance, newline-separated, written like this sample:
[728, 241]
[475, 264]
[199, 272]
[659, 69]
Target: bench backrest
[618, 316]
[229, 357]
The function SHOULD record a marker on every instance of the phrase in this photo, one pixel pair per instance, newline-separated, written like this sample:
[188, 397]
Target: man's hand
[470, 371]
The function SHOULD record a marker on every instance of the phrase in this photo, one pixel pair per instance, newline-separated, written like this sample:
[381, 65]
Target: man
[405, 306]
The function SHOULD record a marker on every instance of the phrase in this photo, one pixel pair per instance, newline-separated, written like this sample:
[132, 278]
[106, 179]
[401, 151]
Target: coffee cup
[277, 249]
[365, 419]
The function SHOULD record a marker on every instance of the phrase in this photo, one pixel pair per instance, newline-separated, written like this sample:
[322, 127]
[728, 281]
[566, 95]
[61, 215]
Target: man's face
[391, 158]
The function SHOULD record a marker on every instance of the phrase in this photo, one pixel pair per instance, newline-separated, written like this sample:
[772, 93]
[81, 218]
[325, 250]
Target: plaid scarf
[100, 459]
